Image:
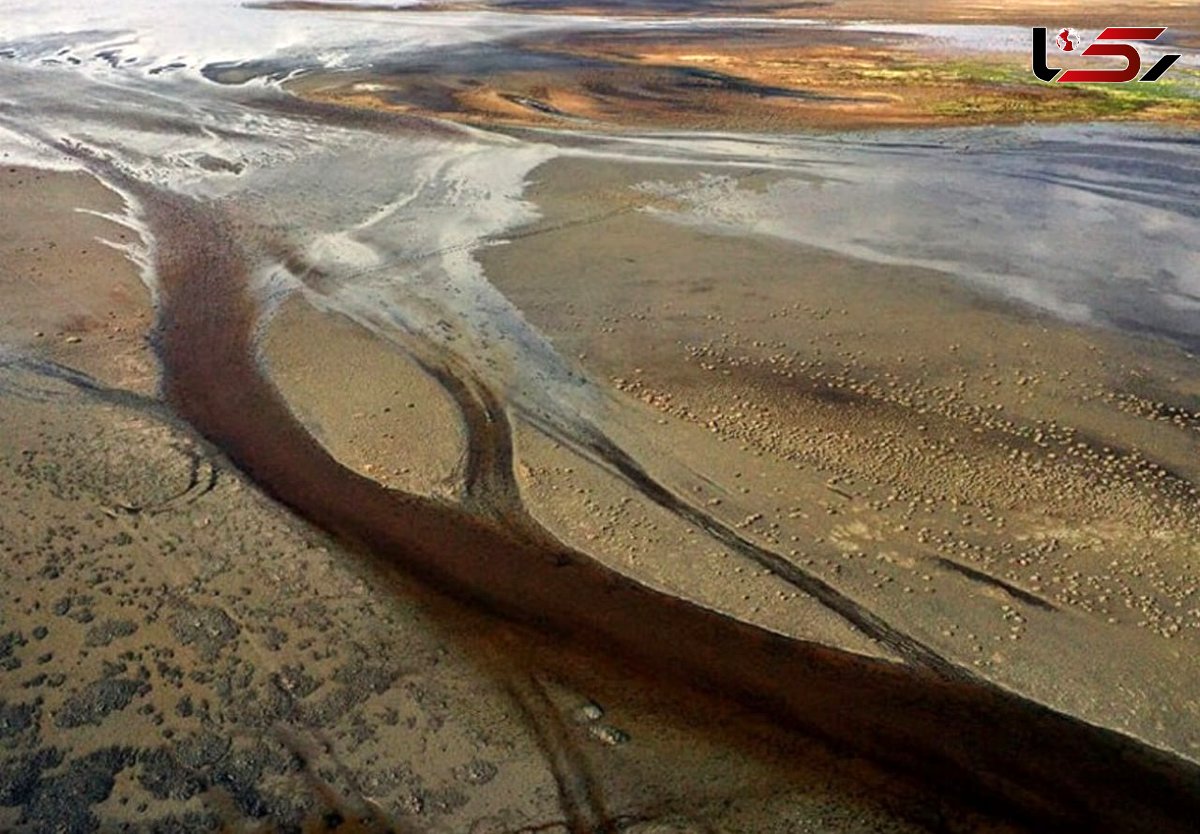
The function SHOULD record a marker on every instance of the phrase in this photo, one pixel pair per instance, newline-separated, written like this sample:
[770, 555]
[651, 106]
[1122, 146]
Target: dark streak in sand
[987, 579]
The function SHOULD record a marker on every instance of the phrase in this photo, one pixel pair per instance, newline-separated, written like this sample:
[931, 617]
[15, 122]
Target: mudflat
[522, 417]
[1014, 490]
[69, 293]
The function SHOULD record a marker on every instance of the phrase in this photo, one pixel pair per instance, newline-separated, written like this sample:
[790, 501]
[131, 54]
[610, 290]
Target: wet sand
[579, 620]
[69, 296]
[938, 722]
[850, 547]
[179, 651]
[960, 465]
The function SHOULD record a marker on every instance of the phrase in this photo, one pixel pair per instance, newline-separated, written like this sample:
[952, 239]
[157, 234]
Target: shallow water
[1093, 224]
[1096, 225]
[380, 218]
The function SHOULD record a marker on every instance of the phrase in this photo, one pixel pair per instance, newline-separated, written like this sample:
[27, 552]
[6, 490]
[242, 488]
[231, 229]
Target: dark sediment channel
[955, 734]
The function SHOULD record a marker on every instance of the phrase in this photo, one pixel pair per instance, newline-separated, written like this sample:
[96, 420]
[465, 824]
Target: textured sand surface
[1016, 491]
[67, 295]
[379, 512]
[178, 652]
[366, 401]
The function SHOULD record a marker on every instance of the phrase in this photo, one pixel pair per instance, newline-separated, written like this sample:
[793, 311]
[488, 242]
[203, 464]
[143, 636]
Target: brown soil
[69, 296]
[926, 718]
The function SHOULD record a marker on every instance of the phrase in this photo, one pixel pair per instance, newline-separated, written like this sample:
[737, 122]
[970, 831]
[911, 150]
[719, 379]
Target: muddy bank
[70, 293]
[996, 483]
[950, 729]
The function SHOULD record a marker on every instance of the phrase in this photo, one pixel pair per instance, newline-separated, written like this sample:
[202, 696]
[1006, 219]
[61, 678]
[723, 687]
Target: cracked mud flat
[639, 521]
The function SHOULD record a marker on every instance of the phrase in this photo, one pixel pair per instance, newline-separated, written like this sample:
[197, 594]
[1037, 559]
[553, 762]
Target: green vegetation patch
[1009, 89]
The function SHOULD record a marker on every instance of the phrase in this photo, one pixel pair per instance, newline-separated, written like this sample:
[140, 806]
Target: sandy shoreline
[68, 296]
[761, 537]
[543, 594]
[170, 637]
[887, 426]
[791, 435]
[524, 576]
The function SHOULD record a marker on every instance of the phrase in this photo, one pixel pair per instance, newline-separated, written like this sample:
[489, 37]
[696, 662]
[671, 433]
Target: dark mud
[954, 734]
